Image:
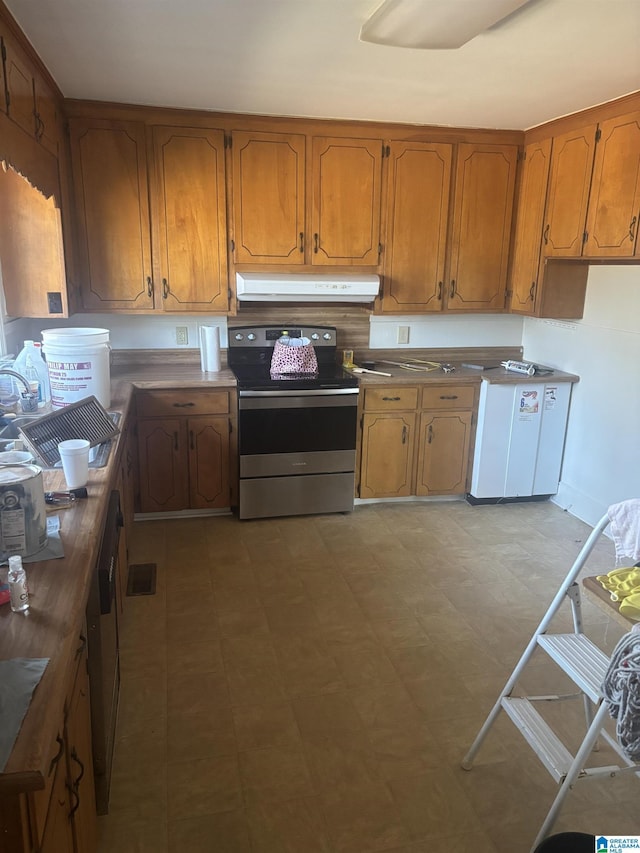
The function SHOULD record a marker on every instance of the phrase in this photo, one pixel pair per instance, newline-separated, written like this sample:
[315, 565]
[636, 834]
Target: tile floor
[310, 685]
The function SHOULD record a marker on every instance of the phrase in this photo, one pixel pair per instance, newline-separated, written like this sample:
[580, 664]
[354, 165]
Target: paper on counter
[19, 677]
[210, 349]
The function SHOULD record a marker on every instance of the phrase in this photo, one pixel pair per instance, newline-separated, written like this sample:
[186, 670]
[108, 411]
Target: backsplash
[358, 329]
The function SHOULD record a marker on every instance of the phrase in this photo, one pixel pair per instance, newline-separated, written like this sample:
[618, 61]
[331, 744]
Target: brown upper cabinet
[541, 287]
[29, 101]
[345, 213]
[268, 197]
[188, 268]
[417, 215]
[113, 226]
[481, 236]
[614, 203]
[18, 78]
[529, 226]
[571, 167]
[188, 213]
[301, 200]
[427, 268]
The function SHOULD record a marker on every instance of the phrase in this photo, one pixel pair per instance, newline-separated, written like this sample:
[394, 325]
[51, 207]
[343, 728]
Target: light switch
[403, 334]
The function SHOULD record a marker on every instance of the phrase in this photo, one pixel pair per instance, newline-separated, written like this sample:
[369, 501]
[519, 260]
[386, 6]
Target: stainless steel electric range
[297, 435]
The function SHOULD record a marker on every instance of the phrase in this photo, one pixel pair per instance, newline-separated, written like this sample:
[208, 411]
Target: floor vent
[142, 579]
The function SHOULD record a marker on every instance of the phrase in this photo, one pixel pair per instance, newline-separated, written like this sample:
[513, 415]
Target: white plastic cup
[74, 454]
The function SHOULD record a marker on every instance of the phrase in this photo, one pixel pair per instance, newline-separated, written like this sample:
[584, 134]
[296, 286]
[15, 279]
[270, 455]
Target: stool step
[539, 735]
[581, 659]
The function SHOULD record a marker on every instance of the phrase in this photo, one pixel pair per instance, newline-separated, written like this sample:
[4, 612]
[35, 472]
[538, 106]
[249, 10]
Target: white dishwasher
[520, 438]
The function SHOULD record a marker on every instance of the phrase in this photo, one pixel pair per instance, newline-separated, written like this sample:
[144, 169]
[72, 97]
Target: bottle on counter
[30, 359]
[17, 579]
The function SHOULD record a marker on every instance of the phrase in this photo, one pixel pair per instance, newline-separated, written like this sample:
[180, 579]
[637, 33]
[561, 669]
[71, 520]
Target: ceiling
[304, 58]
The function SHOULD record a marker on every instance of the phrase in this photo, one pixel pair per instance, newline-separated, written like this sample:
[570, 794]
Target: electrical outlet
[403, 334]
[182, 335]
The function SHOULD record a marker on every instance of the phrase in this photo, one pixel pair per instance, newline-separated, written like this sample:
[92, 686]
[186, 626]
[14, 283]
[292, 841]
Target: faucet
[28, 398]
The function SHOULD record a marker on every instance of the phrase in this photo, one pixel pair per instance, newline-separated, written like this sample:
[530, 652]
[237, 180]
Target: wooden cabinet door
[387, 454]
[58, 835]
[268, 198]
[614, 201]
[190, 219]
[209, 462]
[113, 233]
[83, 811]
[571, 166]
[46, 116]
[33, 269]
[345, 217]
[19, 87]
[527, 244]
[443, 453]
[417, 204]
[163, 465]
[483, 206]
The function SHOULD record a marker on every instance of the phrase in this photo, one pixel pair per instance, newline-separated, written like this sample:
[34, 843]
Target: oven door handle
[283, 403]
[309, 392]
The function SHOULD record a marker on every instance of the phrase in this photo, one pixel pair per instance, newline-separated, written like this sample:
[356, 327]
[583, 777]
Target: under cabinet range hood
[282, 287]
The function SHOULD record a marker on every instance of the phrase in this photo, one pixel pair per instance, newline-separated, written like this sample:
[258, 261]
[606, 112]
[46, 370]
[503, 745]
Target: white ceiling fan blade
[434, 24]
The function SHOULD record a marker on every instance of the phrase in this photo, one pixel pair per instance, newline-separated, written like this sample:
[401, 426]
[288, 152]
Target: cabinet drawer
[448, 397]
[152, 404]
[391, 398]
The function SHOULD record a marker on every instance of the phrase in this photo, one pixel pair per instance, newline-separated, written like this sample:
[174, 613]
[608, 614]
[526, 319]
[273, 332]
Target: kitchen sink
[12, 439]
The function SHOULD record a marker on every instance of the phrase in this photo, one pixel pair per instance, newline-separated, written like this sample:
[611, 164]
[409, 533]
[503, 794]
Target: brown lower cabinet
[416, 440]
[184, 450]
[61, 817]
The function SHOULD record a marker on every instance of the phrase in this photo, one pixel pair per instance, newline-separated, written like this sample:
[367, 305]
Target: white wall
[436, 332]
[125, 331]
[602, 454]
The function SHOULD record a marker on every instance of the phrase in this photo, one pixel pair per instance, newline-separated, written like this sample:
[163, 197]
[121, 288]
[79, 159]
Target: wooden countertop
[460, 374]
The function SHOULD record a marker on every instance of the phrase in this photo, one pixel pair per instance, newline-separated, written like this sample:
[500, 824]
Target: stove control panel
[266, 336]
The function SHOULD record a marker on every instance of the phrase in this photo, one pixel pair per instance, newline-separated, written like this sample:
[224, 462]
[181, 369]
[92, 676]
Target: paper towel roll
[210, 348]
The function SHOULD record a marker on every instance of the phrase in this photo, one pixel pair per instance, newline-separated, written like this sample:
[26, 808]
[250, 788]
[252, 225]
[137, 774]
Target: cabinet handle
[165, 288]
[439, 291]
[391, 399]
[316, 243]
[183, 405]
[58, 755]
[149, 287]
[302, 241]
[404, 434]
[175, 441]
[39, 127]
[632, 228]
[82, 646]
[76, 805]
[453, 288]
[75, 789]
[545, 236]
[430, 434]
[532, 291]
[448, 396]
[191, 441]
[74, 757]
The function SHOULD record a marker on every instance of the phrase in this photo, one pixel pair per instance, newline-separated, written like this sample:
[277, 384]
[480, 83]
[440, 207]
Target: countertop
[461, 375]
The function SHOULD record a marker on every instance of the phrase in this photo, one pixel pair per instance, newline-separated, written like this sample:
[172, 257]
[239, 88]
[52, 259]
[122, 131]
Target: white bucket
[78, 365]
